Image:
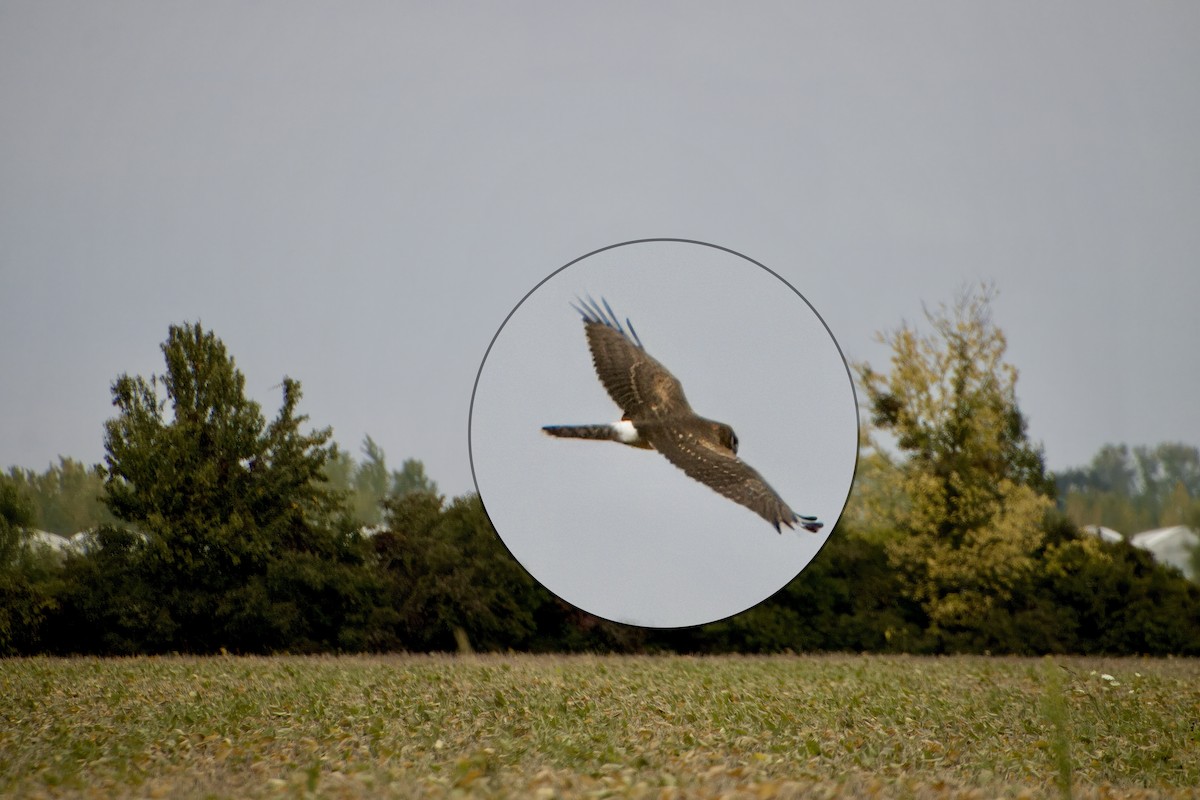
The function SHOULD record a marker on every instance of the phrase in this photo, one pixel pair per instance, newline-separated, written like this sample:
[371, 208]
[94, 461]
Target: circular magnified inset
[663, 433]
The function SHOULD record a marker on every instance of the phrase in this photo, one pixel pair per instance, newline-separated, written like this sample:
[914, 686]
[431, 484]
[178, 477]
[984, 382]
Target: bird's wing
[639, 384]
[721, 469]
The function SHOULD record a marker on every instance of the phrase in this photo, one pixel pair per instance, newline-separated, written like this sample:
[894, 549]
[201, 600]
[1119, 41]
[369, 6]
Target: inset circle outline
[538, 285]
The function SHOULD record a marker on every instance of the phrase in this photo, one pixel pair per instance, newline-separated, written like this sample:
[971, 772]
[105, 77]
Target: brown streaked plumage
[657, 416]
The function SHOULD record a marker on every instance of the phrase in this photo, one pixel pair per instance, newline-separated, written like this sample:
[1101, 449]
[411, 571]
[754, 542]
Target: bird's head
[727, 437]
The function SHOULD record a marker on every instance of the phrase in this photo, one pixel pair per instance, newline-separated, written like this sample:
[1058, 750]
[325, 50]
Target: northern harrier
[656, 416]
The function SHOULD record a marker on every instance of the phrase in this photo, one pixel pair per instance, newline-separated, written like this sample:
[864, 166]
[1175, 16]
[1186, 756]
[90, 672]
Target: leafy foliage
[1113, 597]
[66, 498]
[411, 478]
[449, 576]
[1135, 489]
[235, 540]
[369, 483]
[227, 531]
[950, 401]
[974, 489]
[965, 514]
[16, 516]
[25, 599]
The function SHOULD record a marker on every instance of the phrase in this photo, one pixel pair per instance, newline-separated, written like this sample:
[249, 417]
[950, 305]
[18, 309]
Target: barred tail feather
[583, 432]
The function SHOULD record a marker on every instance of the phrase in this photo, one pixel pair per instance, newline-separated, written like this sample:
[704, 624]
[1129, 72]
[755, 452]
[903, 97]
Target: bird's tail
[582, 431]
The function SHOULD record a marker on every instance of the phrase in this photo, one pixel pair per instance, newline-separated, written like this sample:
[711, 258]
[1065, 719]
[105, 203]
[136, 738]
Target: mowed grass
[553, 726]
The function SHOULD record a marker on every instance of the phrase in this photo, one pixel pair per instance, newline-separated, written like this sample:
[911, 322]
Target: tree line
[67, 498]
[213, 528]
[1134, 489]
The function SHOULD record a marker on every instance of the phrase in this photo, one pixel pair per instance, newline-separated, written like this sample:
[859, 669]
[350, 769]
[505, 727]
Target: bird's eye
[733, 442]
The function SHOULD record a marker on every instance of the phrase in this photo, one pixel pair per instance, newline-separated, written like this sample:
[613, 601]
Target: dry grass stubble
[551, 726]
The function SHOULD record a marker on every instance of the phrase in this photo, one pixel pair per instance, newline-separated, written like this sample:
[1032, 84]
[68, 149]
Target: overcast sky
[356, 195]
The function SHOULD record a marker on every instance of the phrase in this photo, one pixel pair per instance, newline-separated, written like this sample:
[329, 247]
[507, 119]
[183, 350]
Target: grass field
[548, 726]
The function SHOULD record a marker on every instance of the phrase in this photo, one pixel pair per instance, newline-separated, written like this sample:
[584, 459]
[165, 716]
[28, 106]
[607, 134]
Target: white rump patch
[626, 433]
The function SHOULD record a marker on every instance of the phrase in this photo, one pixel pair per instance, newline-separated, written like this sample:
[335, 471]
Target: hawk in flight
[656, 416]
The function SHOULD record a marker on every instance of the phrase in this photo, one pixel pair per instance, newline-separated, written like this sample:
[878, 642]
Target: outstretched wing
[707, 461]
[642, 387]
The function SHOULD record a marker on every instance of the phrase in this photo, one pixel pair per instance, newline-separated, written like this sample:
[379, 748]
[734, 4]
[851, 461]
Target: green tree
[112, 603]
[66, 497]
[26, 575]
[975, 493]
[370, 482]
[1134, 489]
[16, 517]
[1176, 507]
[450, 580]
[339, 470]
[1110, 471]
[1168, 476]
[1193, 522]
[411, 478]
[1114, 598]
[222, 500]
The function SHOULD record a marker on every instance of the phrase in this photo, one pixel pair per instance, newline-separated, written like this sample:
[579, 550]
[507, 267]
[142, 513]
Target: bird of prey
[657, 416]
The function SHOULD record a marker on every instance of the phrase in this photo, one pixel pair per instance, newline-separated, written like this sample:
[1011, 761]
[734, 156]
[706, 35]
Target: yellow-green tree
[963, 503]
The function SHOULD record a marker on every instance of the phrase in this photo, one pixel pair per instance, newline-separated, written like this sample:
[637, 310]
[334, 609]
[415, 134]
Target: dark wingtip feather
[612, 316]
[597, 312]
[808, 523]
[602, 314]
[636, 338]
